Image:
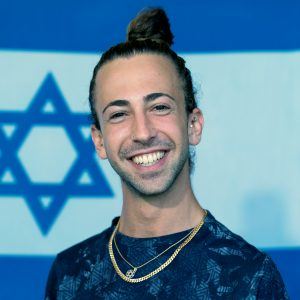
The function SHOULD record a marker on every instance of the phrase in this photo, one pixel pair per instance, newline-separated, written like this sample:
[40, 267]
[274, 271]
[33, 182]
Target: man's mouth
[148, 159]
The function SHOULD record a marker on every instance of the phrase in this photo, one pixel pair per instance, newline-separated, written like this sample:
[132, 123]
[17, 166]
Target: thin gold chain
[160, 268]
[157, 256]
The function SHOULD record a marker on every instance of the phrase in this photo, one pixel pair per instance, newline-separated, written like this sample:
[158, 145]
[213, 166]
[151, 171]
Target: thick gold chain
[160, 268]
[153, 258]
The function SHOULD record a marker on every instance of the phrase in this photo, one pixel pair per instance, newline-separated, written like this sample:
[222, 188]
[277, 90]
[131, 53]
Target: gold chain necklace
[131, 273]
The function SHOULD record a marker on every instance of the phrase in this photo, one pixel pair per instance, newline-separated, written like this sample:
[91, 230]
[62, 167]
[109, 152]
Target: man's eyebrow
[117, 102]
[154, 96]
[147, 98]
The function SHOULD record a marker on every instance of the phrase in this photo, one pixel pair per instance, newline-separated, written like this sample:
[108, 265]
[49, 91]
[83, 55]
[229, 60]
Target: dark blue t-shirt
[216, 264]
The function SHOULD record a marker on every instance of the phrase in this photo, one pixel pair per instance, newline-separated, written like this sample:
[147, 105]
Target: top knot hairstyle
[148, 33]
[150, 24]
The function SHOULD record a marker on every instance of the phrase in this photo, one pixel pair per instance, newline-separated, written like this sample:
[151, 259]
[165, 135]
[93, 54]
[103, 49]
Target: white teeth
[155, 157]
[145, 159]
[148, 159]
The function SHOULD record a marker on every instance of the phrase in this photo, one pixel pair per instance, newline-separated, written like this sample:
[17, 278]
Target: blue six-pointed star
[85, 162]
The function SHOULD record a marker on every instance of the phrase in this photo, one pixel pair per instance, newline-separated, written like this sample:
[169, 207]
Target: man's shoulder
[87, 248]
[75, 263]
[224, 243]
[241, 263]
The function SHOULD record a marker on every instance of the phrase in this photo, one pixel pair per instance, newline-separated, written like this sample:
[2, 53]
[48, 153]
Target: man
[164, 245]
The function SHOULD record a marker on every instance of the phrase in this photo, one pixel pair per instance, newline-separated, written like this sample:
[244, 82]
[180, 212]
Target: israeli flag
[55, 192]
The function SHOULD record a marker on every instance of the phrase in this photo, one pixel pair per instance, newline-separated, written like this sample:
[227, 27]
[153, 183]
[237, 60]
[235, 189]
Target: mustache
[138, 146]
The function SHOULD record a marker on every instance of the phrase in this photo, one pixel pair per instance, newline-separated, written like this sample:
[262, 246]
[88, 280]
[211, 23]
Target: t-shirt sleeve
[271, 285]
[51, 287]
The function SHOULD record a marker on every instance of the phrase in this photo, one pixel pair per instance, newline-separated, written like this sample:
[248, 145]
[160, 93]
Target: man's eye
[117, 116]
[161, 108]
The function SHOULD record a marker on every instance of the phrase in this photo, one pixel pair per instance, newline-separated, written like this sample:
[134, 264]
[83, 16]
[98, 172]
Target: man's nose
[143, 130]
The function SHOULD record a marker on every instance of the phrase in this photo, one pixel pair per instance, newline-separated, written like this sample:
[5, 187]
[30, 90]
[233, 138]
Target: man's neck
[173, 211]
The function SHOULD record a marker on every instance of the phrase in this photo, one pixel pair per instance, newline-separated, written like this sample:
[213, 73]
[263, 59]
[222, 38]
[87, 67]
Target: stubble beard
[145, 185]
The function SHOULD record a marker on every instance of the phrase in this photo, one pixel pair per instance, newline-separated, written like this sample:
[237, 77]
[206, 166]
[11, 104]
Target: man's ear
[98, 142]
[195, 126]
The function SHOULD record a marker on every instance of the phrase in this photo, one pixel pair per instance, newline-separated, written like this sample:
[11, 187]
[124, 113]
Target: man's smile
[148, 159]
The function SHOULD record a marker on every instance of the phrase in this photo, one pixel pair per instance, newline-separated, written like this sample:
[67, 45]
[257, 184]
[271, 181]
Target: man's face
[144, 135]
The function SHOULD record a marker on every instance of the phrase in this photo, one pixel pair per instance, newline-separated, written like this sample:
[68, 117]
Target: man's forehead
[141, 73]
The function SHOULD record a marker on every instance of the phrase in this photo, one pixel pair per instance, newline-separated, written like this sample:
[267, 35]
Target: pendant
[130, 273]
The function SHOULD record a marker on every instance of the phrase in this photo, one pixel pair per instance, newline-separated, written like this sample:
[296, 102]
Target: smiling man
[145, 135]
[164, 245]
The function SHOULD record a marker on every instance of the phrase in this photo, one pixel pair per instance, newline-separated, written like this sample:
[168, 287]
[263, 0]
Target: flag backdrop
[54, 192]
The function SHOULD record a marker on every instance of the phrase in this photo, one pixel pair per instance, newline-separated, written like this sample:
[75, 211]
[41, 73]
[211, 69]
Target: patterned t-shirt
[216, 264]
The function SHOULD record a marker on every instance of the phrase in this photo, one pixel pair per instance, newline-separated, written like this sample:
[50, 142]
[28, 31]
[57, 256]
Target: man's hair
[148, 33]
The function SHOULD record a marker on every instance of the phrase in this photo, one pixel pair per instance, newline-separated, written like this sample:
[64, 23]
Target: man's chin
[149, 189]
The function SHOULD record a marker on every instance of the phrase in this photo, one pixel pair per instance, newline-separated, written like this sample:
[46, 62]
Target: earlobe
[195, 126]
[98, 142]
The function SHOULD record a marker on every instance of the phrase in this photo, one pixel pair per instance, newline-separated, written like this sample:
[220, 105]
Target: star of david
[85, 162]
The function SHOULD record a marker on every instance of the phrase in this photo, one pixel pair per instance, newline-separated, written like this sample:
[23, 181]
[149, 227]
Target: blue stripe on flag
[205, 26]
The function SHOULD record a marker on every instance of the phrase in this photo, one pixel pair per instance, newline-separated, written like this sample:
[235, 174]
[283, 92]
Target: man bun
[150, 24]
